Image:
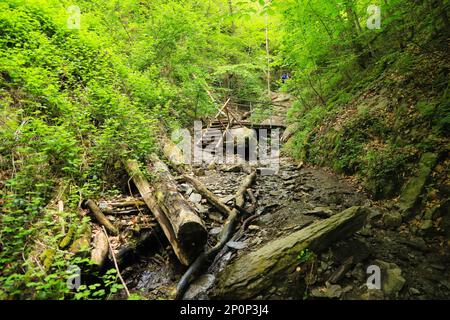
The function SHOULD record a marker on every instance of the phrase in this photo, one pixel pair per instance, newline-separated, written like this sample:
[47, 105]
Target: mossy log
[271, 268]
[67, 239]
[187, 225]
[184, 230]
[129, 203]
[175, 155]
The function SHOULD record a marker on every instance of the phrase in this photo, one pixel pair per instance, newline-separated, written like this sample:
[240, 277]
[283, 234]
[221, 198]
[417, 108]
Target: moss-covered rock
[411, 192]
[82, 244]
[47, 257]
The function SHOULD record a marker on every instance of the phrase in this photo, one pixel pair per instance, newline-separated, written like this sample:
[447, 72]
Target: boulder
[391, 278]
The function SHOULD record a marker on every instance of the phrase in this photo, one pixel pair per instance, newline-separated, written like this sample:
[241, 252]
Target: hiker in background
[284, 77]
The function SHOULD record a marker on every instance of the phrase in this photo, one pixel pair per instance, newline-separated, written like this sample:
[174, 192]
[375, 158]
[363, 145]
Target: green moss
[65, 242]
[48, 256]
[413, 189]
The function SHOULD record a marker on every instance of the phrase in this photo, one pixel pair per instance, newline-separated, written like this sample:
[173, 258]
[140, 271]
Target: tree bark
[101, 218]
[129, 203]
[187, 225]
[184, 230]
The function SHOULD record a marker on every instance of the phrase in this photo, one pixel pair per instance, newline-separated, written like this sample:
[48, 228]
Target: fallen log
[101, 248]
[251, 195]
[175, 155]
[208, 195]
[100, 217]
[227, 232]
[126, 204]
[82, 244]
[176, 225]
[187, 225]
[269, 270]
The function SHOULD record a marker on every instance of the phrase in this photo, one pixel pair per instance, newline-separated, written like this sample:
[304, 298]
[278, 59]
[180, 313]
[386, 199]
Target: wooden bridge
[240, 115]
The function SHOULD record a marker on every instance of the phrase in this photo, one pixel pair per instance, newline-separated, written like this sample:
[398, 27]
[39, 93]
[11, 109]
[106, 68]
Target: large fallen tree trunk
[189, 228]
[272, 267]
[182, 227]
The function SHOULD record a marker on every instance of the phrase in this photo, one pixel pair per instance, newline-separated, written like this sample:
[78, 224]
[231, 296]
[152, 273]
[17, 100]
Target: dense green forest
[87, 84]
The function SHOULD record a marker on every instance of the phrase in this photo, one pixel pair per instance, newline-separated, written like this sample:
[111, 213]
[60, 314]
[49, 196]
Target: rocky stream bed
[413, 265]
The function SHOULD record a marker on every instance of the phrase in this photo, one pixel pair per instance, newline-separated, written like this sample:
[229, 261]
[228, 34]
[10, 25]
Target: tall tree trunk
[268, 51]
[230, 9]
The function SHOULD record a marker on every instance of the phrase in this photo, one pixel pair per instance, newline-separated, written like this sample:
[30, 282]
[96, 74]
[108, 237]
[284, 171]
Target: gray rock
[330, 291]
[391, 278]
[195, 198]
[215, 231]
[189, 190]
[197, 290]
[237, 245]
[201, 208]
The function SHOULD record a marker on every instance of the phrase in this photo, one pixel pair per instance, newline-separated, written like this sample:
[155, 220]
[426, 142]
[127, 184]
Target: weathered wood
[225, 235]
[175, 155]
[129, 203]
[182, 227]
[109, 211]
[101, 248]
[208, 195]
[115, 262]
[251, 195]
[100, 217]
[189, 228]
[146, 192]
[272, 267]
[82, 244]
